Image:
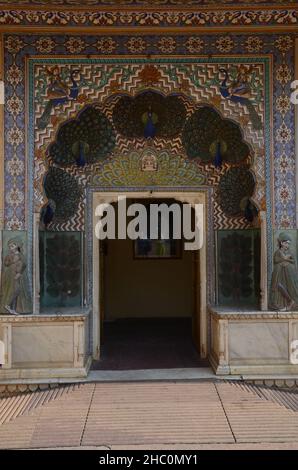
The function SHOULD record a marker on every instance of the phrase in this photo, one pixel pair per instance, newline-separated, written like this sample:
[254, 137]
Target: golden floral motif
[14, 224]
[45, 45]
[15, 105]
[194, 44]
[283, 74]
[285, 193]
[106, 45]
[225, 44]
[14, 75]
[136, 45]
[15, 136]
[75, 45]
[254, 44]
[167, 44]
[284, 43]
[283, 134]
[14, 44]
[283, 104]
[15, 197]
[80, 18]
[149, 74]
[15, 167]
[286, 164]
[148, 18]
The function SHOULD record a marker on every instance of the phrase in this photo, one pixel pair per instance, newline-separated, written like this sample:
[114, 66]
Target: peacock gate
[172, 103]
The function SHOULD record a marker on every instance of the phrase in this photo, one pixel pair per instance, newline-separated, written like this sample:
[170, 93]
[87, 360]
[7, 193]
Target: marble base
[44, 346]
[253, 342]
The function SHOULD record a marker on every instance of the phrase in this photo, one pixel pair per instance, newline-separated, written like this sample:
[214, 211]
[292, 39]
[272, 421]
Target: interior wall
[146, 288]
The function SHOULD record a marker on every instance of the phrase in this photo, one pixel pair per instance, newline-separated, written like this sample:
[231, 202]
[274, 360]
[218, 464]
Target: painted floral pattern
[136, 45]
[106, 45]
[45, 45]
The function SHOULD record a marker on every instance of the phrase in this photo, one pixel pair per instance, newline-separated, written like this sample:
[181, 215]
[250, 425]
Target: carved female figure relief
[284, 283]
[15, 297]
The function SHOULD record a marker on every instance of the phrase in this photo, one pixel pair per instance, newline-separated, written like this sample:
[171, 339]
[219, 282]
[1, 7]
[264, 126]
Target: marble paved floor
[147, 414]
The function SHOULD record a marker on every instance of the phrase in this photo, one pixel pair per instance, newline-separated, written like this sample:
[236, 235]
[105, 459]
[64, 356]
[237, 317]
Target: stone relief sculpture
[15, 297]
[284, 283]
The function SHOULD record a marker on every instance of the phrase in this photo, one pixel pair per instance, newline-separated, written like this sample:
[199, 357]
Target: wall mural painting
[238, 89]
[14, 291]
[200, 105]
[233, 80]
[175, 109]
[58, 92]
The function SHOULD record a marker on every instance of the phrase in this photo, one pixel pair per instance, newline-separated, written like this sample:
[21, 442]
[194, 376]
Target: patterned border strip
[287, 17]
[140, 3]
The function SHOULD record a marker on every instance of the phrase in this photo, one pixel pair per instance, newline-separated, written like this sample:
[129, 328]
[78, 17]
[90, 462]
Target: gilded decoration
[186, 15]
[168, 170]
[104, 122]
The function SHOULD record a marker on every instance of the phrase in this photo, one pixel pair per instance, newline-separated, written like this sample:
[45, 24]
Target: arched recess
[193, 198]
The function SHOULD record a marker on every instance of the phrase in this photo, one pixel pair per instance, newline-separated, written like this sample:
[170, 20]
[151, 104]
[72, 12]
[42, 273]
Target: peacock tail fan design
[87, 139]
[206, 129]
[167, 115]
[235, 185]
[64, 190]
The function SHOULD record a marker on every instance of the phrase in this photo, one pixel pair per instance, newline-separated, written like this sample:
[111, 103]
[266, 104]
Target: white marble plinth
[253, 342]
[41, 346]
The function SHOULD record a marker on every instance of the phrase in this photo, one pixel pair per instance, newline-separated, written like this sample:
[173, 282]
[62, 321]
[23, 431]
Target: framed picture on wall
[157, 249]
[163, 247]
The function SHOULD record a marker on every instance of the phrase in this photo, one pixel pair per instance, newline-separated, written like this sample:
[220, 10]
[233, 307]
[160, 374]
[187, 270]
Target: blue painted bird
[218, 156]
[48, 212]
[239, 92]
[149, 120]
[250, 211]
[81, 160]
[58, 93]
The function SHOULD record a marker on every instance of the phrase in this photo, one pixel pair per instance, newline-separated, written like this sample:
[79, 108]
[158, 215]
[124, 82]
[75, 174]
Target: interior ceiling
[148, 3]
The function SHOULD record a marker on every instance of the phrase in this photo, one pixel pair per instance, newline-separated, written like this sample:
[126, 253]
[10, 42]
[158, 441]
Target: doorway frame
[192, 197]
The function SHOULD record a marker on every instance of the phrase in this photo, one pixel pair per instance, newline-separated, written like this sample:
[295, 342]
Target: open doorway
[149, 305]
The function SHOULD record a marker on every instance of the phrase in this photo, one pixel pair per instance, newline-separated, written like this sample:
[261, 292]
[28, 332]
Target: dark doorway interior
[142, 343]
[148, 309]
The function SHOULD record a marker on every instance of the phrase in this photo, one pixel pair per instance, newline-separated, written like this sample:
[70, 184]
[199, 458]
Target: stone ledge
[12, 389]
[238, 314]
[43, 318]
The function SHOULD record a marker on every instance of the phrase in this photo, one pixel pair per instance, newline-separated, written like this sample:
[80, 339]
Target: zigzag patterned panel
[105, 83]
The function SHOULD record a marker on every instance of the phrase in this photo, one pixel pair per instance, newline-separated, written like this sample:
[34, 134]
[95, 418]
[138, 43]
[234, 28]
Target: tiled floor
[158, 414]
